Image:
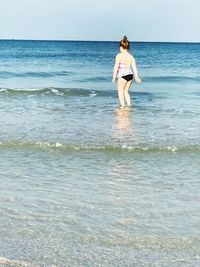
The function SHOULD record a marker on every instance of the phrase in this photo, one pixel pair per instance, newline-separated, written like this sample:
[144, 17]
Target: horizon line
[79, 40]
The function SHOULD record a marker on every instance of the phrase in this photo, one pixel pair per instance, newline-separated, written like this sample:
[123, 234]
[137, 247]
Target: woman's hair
[125, 43]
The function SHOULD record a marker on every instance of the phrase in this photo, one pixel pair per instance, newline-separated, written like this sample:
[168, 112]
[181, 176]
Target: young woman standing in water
[125, 69]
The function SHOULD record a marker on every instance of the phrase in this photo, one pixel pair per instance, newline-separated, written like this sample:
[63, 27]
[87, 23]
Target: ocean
[84, 183]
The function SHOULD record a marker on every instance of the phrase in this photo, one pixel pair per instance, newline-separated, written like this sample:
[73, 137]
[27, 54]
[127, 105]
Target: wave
[153, 242]
[67, 92]
[171, 79]
[29, 74]
[97, 79]
[53, 91]
[96, 148]
[14, 263]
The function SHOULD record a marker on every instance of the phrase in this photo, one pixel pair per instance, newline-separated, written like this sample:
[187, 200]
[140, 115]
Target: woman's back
[125, 58]
[125, 61]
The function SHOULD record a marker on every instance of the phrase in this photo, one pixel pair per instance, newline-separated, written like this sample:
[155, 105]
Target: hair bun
[124, 43]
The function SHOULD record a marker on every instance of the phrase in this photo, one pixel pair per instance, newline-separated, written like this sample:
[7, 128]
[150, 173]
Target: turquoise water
[85, 184]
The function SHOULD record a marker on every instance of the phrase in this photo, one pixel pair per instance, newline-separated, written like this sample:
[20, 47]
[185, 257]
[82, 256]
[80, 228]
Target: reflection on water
[123, 124]
[123, 118]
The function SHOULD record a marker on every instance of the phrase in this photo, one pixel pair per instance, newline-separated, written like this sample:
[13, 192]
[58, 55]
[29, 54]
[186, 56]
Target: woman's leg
[126, 93]
[121, 86]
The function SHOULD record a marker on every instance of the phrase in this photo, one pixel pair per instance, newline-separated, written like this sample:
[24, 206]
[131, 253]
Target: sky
[109, 20]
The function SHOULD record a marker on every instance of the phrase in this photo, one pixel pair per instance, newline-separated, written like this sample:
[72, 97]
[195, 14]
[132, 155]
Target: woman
[124, 69]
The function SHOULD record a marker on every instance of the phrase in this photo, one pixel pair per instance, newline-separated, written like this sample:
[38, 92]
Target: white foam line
[15, 263]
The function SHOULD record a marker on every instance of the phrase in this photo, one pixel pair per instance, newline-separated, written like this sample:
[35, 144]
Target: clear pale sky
[141, 20]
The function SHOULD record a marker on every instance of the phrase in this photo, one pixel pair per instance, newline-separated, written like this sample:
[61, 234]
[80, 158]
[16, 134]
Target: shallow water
[84, 183]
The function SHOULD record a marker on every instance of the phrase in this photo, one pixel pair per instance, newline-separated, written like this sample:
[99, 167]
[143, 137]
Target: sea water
[84, 183]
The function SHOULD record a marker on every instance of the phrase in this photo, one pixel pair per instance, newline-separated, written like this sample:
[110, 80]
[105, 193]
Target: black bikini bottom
[128, 77]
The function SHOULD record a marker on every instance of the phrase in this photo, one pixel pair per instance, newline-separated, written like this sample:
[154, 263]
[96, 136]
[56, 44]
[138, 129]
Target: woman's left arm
[135, 71]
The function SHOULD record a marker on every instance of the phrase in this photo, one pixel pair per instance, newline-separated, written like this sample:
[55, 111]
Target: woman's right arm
[116, 66]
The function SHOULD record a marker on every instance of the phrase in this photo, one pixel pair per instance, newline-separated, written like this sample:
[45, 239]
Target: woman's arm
[116, 66]
[135, 71]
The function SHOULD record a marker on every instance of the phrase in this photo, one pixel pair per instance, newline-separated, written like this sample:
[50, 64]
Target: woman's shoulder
[130, 54]
[118, 58]
[131, 57]
[119, 55]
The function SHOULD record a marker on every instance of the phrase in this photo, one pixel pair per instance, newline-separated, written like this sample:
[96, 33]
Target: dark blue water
[84, 183]
[81, 64]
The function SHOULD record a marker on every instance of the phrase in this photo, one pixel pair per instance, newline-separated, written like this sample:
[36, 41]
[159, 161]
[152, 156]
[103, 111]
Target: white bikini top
[124, 69]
